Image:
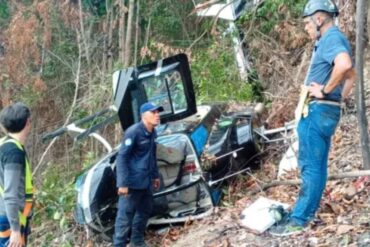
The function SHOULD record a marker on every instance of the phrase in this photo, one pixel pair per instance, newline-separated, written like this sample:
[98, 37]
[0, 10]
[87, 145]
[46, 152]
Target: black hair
[14, 117]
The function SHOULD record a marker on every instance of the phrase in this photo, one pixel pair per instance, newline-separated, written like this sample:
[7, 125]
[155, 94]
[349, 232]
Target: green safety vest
[28, 184]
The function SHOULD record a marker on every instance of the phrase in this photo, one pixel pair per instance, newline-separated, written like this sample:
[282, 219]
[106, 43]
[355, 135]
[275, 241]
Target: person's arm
[13, 172]
[342, 65]
[348, 84]
[122, 162]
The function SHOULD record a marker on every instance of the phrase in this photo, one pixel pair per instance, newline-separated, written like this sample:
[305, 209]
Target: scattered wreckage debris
[262, 214]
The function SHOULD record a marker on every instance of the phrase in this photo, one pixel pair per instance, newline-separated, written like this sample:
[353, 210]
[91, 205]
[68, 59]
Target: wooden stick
[274, 183]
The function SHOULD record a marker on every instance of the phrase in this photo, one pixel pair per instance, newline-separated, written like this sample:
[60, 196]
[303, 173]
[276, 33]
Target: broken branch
[274, 183]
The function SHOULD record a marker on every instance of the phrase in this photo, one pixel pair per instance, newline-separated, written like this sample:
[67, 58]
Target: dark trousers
[132, 217]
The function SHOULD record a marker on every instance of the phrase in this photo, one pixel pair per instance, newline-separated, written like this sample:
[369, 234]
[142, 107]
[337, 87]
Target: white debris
[289, 161]
[258, 215]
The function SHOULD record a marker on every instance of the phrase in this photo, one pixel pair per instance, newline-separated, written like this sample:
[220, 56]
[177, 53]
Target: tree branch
[77, 82]
[274, 183]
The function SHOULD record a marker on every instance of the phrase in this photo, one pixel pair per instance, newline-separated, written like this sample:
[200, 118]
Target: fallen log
[343, 175]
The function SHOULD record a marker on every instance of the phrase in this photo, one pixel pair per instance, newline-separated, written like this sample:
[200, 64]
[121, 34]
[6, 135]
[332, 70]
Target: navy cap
[149, 107]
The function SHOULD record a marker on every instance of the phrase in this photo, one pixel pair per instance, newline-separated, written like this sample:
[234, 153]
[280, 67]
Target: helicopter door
[166, 82]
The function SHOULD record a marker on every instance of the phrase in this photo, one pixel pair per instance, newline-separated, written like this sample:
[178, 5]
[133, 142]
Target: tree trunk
[85, 37]
[105, 52]
[110, 18]
[137, 31]
[360, 90]
[121, 33]
[129, 33]
[367, 21]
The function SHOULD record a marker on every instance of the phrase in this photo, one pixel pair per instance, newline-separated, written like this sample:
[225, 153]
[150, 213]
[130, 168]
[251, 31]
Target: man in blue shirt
[137, 175]
[330, 79]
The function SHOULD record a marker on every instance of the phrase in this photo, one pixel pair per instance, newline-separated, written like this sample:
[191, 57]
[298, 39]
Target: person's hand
[156, 183]
[314, 90]
[15, 239]
[123, 191]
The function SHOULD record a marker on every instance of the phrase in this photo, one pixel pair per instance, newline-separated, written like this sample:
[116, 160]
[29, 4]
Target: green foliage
[98, 7]
[25, 93]
[4, 13]
[89, 160]
[55, 201]
[165, 22]
[60, 62]
[256, 86]
[56, 196]
[170, 21]
[216, 78]
[273, 11]
[27, 2]
[66, 52]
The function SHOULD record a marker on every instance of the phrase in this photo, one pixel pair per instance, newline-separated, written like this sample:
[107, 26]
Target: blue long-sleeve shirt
[136, 160]
[12, 176]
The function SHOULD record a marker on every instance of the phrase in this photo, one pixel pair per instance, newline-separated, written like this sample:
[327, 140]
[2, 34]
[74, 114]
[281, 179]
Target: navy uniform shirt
[136, 160]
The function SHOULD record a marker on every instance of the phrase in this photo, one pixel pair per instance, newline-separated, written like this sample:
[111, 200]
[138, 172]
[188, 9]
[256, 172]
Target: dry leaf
[342, 229]
[89, 243]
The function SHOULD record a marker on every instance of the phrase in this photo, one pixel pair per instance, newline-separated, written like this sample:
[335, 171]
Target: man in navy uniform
[137, 176]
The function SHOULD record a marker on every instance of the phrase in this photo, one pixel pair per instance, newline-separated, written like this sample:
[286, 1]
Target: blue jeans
[4, 226]
[314, 135]
[132, 217]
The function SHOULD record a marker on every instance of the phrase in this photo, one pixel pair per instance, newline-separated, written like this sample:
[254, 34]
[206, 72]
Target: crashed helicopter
[199, 146]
